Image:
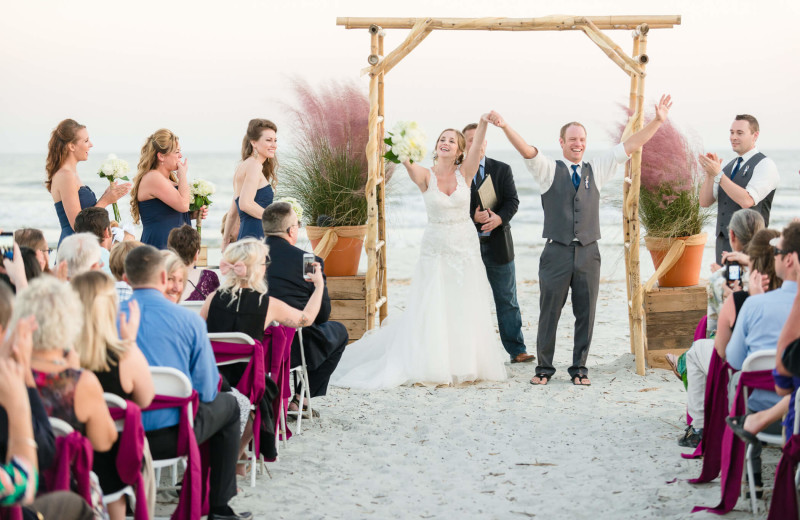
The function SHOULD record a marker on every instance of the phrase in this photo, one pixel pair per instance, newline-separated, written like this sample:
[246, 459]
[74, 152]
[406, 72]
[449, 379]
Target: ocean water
[25, 202]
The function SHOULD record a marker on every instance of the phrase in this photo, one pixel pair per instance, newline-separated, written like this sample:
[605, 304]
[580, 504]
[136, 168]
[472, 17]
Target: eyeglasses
[777, 251]
[298, 225]
[267, 262]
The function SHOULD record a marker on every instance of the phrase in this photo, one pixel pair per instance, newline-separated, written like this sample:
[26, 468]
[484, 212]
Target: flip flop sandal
[737, 425]
[542, 377]
[581, 379]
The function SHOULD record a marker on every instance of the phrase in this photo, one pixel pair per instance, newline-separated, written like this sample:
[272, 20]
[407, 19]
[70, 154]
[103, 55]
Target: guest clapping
[161, 195]
[185, 242]
[69, 145]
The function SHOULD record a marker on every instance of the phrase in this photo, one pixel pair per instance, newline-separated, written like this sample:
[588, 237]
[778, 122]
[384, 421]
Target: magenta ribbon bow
[193, 501]
[74, 457]
[733, 464]
[784, 496]
[129, 456]
[280, 359]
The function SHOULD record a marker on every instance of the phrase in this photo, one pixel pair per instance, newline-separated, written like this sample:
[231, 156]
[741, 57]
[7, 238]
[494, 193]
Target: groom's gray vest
[571, 214]
[726, 206]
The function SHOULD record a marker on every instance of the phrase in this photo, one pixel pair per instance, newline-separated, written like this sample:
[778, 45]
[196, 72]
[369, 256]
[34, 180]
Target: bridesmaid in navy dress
[253, 181]
[69, 145]
[161, 195]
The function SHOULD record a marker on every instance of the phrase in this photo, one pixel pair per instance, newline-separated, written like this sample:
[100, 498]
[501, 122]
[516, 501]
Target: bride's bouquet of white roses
[298, 209]
[406, 142]
[201, 191]
[114, 169]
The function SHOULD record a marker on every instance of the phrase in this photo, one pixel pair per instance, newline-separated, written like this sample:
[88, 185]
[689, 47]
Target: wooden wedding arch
[593, 26]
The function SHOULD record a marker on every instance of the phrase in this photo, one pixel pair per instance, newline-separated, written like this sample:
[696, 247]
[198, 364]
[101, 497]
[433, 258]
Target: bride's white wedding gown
[446, 333]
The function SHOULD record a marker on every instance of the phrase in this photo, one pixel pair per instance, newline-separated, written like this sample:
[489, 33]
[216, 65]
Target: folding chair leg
[282, 432]
[751, 479]
[307, 392]
[253, 460]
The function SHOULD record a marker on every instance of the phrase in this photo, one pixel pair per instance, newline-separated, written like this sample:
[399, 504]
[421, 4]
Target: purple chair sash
[193, 501]
[129, 456]
[700, 331]
[280, 340]
[74, 457]
[11, 513]
[714, 412]
[784, 496]
[252, 384]
[733, 446]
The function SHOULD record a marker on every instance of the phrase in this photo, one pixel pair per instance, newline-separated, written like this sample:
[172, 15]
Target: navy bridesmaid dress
[158, 219]
[249, 226]
[87, 199]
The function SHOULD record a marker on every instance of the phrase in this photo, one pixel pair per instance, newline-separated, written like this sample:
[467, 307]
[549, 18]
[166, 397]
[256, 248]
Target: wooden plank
[669, 342]
[676, 299]
[347, 287]
[543, 23]
[348, 310]
[355, 328]
[656, 359]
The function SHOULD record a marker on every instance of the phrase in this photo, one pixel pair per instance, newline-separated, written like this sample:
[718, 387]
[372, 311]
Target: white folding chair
[60, 427]
[253, 457]
[194, 306]
[173, 383]
[300, 371]
[761, 360]
[115, 401]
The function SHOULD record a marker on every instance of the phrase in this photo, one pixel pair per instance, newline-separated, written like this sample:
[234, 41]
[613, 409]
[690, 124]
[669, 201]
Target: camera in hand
[308, 266]
[733, 272]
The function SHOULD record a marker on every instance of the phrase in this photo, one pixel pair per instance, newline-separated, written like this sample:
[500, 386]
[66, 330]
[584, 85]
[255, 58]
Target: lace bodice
[443, 208]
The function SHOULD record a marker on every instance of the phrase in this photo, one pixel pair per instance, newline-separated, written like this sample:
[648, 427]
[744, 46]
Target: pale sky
[204, 68]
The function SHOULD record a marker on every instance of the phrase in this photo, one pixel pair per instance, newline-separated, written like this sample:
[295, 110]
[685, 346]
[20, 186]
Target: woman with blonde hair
[161, 194]
[112, 355]
[69, 144]
[254, 181]
[176, 276]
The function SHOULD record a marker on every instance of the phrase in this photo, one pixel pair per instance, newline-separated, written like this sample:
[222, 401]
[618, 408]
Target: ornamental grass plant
[669, 198]
[327, 173]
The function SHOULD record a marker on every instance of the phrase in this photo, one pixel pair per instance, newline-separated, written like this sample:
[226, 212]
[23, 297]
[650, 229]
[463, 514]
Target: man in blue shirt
[171, 336]
[758, 326]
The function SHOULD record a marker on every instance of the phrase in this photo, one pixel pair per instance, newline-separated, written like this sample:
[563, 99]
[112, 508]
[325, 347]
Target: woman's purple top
[208, 283]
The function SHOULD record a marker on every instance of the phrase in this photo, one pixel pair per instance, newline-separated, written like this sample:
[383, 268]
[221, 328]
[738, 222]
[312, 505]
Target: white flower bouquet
[298, 209]
[406, 142]
[114, 169]
[201, 191]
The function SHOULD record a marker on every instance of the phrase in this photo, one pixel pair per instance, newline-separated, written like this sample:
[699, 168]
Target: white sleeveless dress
[446, 334]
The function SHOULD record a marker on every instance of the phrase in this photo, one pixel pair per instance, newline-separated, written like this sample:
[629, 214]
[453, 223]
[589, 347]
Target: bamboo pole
[545, 23]
[381, 199]
[370, 189]
[419, 32]
[626, 224]
[612, 50]
[632, 214]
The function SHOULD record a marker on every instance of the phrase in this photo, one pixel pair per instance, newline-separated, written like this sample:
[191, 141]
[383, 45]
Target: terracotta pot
[343, 258]
[686, 271]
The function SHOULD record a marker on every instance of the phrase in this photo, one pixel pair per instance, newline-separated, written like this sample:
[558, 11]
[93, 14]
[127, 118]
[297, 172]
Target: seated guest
[241, 304]
[170, 336]
[95, 220]
[698, 357]
[33, 238]
[324, 340]
[19, 472]
[80, 252]
[176, 275]
[758, 327]
[116, 262]
[185, 242]
[32, 266]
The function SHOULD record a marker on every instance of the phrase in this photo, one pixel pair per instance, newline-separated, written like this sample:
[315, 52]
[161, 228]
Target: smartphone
[734, 272]
[308, 267]
[7, 245]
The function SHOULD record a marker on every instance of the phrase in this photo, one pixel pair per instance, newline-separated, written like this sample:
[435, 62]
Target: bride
[446, 334]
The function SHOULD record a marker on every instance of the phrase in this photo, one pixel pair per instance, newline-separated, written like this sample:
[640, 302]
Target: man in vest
[749, 181]
[571, 258]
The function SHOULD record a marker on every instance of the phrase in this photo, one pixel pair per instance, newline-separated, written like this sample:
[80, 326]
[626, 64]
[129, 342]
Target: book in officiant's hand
[486, 194]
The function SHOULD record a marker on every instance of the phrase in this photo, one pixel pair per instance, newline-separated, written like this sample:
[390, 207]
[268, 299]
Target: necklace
[59, 362]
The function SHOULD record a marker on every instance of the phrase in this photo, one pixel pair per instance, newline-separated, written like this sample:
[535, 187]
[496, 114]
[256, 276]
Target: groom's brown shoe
[523, 358]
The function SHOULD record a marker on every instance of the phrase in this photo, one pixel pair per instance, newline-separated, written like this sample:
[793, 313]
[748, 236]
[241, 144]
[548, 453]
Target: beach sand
[499, 450]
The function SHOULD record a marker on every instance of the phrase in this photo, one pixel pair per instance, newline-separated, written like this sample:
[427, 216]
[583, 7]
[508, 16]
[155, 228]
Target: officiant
[494, 183]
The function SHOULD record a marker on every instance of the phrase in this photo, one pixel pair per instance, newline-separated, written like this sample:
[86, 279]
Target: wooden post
[371, 239]
[383, 279]
[625, 188]
[543, 23]
[631, 215]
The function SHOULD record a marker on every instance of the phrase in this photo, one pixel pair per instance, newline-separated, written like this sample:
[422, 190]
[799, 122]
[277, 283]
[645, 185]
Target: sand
[499, 450]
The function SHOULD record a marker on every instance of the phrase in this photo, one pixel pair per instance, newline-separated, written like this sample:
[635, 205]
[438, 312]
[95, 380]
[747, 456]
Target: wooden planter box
[348, 303]
[671, 317]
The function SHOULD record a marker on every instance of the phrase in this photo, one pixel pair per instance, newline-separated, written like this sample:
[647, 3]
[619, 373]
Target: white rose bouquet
[298, 209]
[114, 169]
[406, 142]
[201, 191]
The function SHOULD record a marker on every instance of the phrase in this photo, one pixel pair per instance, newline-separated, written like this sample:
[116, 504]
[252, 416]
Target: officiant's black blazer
[500, 241]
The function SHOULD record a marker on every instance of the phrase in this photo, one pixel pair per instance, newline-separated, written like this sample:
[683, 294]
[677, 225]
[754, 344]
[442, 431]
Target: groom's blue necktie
[736, 168]
[576, 179]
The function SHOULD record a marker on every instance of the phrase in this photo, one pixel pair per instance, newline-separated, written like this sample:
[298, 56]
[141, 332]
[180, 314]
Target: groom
[497, 247]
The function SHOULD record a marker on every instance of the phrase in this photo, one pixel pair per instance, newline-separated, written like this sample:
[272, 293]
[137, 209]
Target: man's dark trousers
[503, 280]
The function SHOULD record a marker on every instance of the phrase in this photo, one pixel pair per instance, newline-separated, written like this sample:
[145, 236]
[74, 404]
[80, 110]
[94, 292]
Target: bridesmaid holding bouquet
[161, 195]
[69, 145]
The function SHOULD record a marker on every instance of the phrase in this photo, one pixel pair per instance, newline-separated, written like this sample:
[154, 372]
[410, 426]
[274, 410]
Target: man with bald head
[571, 258]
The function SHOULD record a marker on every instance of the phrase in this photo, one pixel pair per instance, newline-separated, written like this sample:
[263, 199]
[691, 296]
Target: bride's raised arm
[419, 174]
[469, 166]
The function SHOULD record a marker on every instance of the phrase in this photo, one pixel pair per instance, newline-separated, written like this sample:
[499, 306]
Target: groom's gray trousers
[561, 268]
